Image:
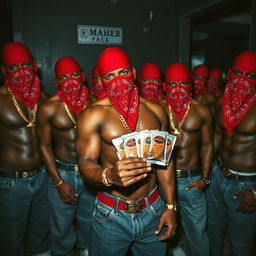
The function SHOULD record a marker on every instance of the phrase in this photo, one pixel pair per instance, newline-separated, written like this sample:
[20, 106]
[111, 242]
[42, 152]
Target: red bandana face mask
[73, 92]
[238, 98]
[178, 98]
[150, 91]
[25, 85]
[198, 86]
[213, 86]
[124, 95]
[97, 89]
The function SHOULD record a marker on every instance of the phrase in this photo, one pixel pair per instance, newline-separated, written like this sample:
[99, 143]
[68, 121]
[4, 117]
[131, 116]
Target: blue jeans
[193, 213]
[222, 213]
[24, 219]
[70, 223]
[114, 230]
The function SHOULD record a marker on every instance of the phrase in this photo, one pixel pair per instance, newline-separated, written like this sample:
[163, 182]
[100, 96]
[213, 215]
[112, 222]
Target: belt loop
[189, 175]
[146, 202]
[116, 205]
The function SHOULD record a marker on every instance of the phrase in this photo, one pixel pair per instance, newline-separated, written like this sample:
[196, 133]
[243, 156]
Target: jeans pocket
[157, 208]
[102, 214]
[6, 185]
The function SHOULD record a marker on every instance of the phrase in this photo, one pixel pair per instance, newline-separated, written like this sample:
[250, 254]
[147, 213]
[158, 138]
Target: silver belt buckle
[178, 173]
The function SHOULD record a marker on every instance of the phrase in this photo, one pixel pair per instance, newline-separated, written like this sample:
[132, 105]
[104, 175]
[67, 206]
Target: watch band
[206, 180]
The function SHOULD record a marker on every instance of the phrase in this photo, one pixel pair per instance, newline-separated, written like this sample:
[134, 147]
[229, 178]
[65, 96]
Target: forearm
[91, 171]
[166, 179]
[50, 163]
[207, 160]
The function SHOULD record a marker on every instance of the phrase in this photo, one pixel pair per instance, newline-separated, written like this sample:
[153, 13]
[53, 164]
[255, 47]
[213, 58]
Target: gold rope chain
[178, 130]
[30, 123]
[125, 123]
[69, 113]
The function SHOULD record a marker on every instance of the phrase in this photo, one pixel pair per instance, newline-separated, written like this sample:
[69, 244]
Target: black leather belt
[66, 166]
[187, 173]
[18, 174]
[233, 176]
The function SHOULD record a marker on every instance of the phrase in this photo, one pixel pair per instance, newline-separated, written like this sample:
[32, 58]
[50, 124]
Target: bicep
[44, 126]
[207, 128]
[88, 145]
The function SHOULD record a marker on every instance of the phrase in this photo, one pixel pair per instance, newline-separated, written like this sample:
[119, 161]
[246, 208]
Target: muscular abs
[18, 148]
[238, 148]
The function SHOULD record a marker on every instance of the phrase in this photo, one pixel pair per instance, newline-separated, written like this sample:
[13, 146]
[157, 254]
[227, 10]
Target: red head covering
[199, 75]
[151, 71]
[178, 96]
[97, 88]
[246, 62]
[121, 90]
[214, 81]
[71, 90]
[16, 53]
[95, 71]
[240, 92]
[111, 59]
[201, 70]
[177, 72]
[215, 73]
[150, 90]
[66, 65]
[23, 82]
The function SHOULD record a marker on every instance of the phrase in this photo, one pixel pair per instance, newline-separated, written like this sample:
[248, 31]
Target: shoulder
[97, 109]
[3, 91]
[156, 107]
[200, 109]
[51, 105]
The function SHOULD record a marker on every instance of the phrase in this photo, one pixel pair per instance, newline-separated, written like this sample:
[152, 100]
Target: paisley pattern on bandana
[123, 93]
[98, 89]
[74, 93]
[25, 85]
[238, 98]
[213, 87]
[150, 91]
[178, 98]
[198, 87]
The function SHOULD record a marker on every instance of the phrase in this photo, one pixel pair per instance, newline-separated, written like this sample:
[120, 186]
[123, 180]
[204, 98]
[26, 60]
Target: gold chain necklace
[30, 123]
[178, 130]
[125, 123]
[69, 113]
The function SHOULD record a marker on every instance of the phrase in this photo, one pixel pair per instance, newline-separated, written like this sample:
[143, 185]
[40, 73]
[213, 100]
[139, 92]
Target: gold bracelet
[58, 184]
[172, 207]
[104, 177]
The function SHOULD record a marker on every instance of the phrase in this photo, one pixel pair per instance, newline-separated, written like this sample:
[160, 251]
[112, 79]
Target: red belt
[133, 206]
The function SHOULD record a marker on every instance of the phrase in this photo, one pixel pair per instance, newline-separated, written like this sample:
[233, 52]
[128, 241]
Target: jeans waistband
[227, 173]
[67, 166]
[133, 206]
[186, 173]
[19, 174]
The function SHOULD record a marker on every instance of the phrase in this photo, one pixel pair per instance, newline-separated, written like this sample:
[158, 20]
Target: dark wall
[49, 28]
[6, 33]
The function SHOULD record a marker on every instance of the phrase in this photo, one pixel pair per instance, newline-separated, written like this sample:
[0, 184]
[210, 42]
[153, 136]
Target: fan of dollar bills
[154, 145]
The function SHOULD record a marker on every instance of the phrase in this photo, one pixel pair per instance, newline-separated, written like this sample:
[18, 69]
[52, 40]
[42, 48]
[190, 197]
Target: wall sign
[99, 35]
